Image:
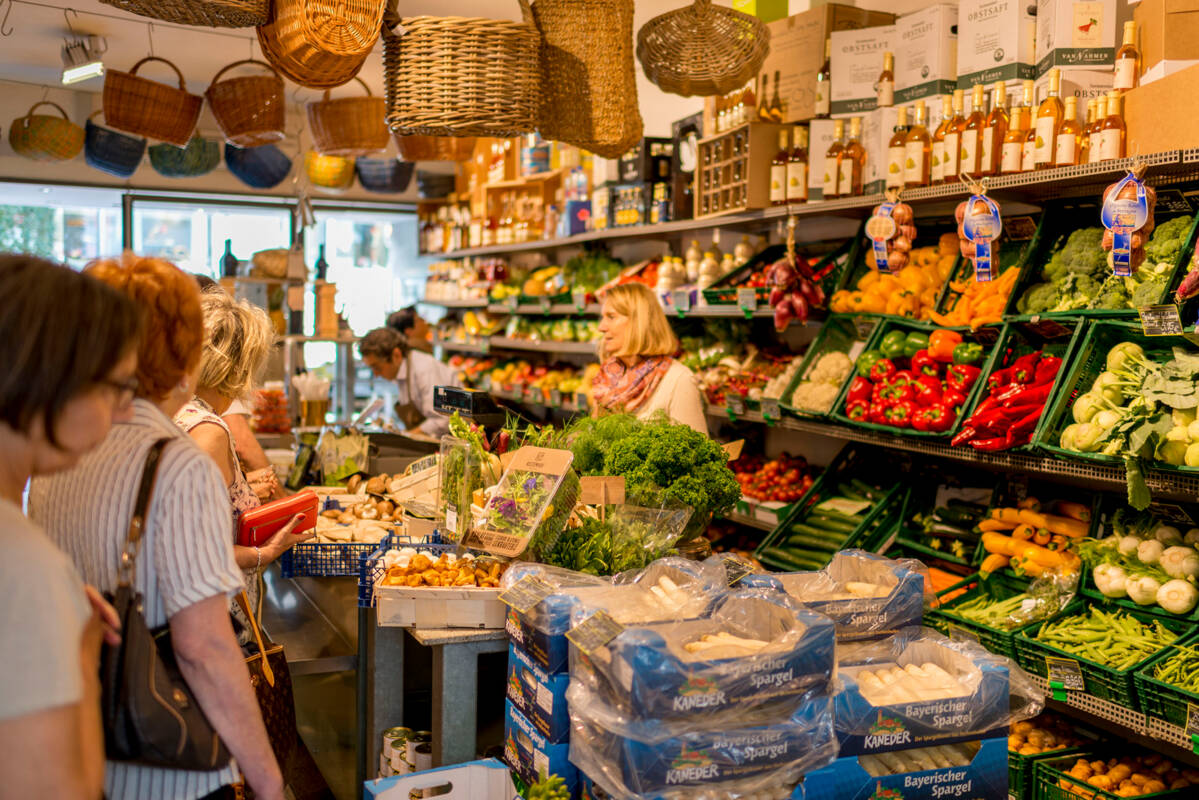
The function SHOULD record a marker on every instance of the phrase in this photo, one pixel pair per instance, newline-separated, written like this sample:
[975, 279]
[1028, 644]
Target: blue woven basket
[384, 175]
[434, 185]
[200, 157]
[110, 151]
[263, 167]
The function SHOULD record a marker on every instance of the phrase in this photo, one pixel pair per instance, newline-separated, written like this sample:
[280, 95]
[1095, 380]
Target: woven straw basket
[136, 105]
[320, 43]
[202, 13]
[331, 173]
[200, 157]
[462, 76]
[249, 109]
[702, 49]
[262, 167]
[348, 126]
[588, 79]
[384, 175]
[43, 137]
[111, 151]
[435, 148]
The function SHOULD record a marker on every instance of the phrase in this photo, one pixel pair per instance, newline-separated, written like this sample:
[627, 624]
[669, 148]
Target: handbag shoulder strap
[137, 523]
[244, 602]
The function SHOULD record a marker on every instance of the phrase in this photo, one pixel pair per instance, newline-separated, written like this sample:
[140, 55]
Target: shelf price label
[526, 593]
[681, 300]
[736, 405]
[747, 300]
[1192, 726]
[1163, 320]
[579, 298]
[512, 301]
[594, 632]
[555, 398]
[544, 303]
[865, 327]
[770, 410]
[1065, 675]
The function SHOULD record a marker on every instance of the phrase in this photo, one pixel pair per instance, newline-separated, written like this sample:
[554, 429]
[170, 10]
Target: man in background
[413, 327]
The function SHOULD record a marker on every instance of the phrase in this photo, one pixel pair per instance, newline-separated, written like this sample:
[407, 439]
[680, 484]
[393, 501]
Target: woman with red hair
[185, 568]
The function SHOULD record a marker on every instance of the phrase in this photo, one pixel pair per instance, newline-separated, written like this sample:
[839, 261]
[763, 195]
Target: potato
[1101, 782]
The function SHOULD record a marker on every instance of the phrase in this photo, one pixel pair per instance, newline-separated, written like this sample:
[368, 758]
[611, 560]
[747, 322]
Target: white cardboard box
[487, 779]
[1085, 84]
[856, 61]
[996, 41]
[435, 607]
[1078, 34]
[926, 53]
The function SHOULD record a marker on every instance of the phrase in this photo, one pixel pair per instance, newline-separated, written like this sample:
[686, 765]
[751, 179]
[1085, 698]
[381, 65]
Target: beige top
[679, 396]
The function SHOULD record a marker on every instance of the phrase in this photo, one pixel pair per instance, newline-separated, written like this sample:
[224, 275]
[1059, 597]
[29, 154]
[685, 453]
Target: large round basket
[111, 151]
[588, 78]
[331, 173]
[44, 137]
[147, 108]
[348, 126]
[262, 167]
[435, 148]
[202, 13]
[702, 49]
[462, 76]
[250, 109]
[384, 175]
[320, 43]
[200, 157]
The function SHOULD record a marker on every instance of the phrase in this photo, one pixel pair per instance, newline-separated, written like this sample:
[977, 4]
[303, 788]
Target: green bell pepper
[967, 353]
[867, 360]
[893, 344]
[914, 342]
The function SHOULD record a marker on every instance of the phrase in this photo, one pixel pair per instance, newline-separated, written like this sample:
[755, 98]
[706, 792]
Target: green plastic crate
[724, 291]
[1012, 253]
[1020, 768]
[840, 332]
[854, 460]
[1100, 681]
[889, 324]
[1162, 700]
[923, 497]
[928, 232]
[1049, 775]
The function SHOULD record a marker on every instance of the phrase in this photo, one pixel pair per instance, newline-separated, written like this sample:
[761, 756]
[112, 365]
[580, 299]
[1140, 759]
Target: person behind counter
[390, 357]
[412, 326]
[638, 372]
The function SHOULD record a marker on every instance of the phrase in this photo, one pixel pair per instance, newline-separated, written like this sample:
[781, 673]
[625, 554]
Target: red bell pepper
[936, 418]
[962, 377]
[859, 389]
[877, 412]
[899, 415]
[924, 364]
[919, 421]
[1047, 369]
[857, 410]
[883, 369]
[901, 378]
[1025, 367]
[928, 390]
[953, 398]
[899, 391]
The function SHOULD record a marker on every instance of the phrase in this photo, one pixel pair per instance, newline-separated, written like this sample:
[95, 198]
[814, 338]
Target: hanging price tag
[880, 229]
[1065, 674]
[1122, 216]
[594, 632]
[982, 226]
[526, 593]
[1161, 320]
[770, 410]
[747, 299]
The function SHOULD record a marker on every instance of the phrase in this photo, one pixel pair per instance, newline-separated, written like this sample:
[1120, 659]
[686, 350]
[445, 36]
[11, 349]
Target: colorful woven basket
[435, 148]
[202, 13]
[331, 173]
[112, 151]
[320, 43]
[147, 108]
[348, 126]
[250, 109]
[43, 137]
[262, 167]
[384, 175]
[200, 157]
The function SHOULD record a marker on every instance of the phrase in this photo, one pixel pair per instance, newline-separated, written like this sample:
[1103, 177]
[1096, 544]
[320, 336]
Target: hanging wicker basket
[147, 108]
[462, 76]
[434, 185]
[702, 49]
[320, 43]
[262, 167]
[384, 175]
[200, 157]
[250, 110]
[201, 13]
[111, 151]
[588, 79]
[435, 148]
[331, 173]
[348, 126]
[44, 137]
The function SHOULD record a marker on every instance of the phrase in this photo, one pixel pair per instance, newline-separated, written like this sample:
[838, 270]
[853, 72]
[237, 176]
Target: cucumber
[865, 489]
[830, 537]
[848, 493]
[834, 514]
[786, 559]
[821, 520]
[830, 526]
[801, 542]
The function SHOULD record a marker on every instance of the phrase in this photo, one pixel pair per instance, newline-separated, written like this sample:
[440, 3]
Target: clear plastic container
[461, 474]
[526, 497]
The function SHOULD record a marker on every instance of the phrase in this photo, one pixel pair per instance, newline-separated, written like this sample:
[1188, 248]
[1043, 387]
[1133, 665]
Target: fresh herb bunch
[590, 439]
[551, 788]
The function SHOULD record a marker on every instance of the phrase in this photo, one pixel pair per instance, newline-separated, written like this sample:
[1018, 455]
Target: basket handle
[526, 11]
[182, 83]
[325, 98]
[228, 67]
[35, 107]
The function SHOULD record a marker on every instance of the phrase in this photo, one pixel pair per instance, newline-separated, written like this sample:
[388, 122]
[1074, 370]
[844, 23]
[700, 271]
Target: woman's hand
[264, 482]
[104, 616]
[284, 540]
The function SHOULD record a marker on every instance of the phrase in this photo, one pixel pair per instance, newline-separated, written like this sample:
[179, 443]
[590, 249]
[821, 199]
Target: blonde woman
[638, 372]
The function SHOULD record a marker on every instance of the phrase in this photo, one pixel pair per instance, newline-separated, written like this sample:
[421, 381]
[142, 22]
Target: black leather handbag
[150, 715]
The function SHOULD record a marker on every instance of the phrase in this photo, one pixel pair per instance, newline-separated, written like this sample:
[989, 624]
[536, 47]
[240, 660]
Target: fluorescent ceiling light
[83, 72]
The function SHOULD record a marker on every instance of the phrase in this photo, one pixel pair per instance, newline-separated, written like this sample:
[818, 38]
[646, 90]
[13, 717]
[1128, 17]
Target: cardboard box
[1085, 84]
[529, 753]
[1152, 131]
[996, 41]
[685, 136]
[487, 779]
[547, 650]
[576, 214]
[648, 160]
[539, 695]
[436, 607]
[926, 53]
[984, 778]
[857, 60]
[765, 10]
[1077, 34]
[601, 204]
[1169, 31]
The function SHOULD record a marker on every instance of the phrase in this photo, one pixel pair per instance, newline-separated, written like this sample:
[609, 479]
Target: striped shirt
[86, 512]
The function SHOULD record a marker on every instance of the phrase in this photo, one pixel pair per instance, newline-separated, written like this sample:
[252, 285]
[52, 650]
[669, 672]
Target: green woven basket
[200, 157]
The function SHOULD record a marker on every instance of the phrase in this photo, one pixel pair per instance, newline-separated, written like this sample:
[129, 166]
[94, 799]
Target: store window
[62, 223]
[193, 235]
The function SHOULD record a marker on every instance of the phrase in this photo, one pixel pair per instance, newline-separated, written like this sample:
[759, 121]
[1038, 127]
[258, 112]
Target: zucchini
[832, 537]
[801, 542]
[832, 513]
[787, 559]
[866, 489]
[848, 493]
[830, 523]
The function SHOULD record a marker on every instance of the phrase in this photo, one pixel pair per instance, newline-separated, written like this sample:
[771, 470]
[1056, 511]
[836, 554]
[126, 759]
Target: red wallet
[260, 524]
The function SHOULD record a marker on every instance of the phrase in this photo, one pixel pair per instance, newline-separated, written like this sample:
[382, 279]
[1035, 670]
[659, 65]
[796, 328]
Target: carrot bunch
[1031, 542]
[978, 303]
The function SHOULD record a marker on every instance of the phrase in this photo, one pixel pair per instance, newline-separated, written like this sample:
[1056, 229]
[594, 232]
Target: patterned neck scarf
[619, 388]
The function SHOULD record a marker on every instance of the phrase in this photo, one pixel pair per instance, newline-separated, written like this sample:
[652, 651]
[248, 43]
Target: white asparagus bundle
[910, 684]
[920, 759]
[724, 639]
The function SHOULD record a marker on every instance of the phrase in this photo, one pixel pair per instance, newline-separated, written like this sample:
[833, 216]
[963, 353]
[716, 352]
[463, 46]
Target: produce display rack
[750, 521]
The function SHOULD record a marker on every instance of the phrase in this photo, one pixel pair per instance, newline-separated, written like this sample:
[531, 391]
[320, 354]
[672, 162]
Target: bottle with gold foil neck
[952, 164]
[1028, 160]
[894, 177]
[1112, 132]
[778, 171]
[972, 134]
[824, 93]
[853, 161]
[797, 167]
[1084, 134]
[937, 157]
[1128, 60]
[885, 87]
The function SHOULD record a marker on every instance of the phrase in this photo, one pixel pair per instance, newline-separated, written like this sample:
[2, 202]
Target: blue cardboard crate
[984, 778]
[527, 752]
[539, 695]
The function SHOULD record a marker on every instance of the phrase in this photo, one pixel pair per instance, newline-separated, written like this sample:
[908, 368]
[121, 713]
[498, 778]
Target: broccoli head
[1112, 294]
[1039, 298]
[1168, 240]
[1148, 292]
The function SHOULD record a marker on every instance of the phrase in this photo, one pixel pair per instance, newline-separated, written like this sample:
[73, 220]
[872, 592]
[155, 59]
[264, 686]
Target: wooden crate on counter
[733, 169]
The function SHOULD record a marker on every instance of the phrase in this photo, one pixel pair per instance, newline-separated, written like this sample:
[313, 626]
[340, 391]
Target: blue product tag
[982, 227]
[880, 229]
[1122, 217]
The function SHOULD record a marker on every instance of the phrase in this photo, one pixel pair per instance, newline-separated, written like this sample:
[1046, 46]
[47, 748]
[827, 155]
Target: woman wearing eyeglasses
[185, 570]
[68, 346]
